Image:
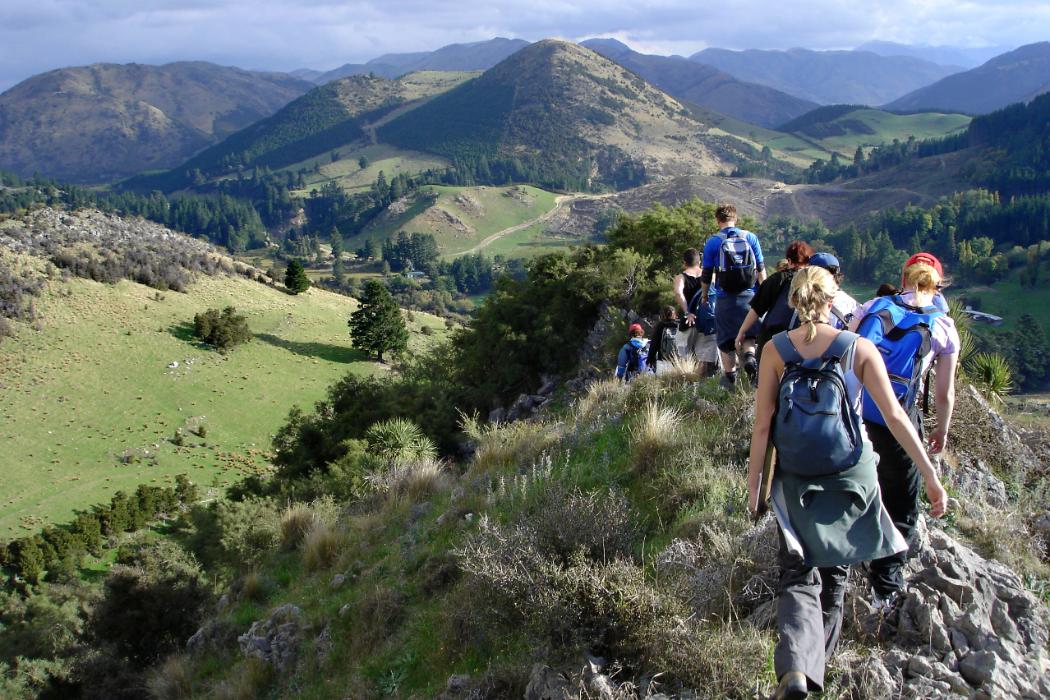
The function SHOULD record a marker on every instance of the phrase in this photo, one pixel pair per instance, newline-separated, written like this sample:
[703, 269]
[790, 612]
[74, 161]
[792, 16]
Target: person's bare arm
[683, 303]
[944, 400]
[765, 402]
[872, 373]
[751, 317]
[761, 274]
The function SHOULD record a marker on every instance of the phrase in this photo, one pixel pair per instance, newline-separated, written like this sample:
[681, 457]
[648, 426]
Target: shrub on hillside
[222, 330]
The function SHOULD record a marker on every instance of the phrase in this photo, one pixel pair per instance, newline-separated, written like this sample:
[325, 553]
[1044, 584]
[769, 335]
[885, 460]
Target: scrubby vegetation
[221, 329]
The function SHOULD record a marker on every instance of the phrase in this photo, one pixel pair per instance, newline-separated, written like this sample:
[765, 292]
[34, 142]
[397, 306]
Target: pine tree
[295, 279]
[377, 327]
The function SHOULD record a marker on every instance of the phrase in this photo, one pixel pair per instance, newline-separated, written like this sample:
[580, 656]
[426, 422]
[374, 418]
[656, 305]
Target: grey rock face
[276, 639]
[971, 628]
[546, 684]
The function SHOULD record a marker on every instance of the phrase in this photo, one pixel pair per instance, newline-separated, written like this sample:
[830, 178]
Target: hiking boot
[728, 381]
[751, 368]
[886, 606]
[792, 686]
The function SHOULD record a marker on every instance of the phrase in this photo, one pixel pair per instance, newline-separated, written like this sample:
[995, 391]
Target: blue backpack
[737, 267]
[637, 361]
[705, 313]
[902, 333]
[816, 429]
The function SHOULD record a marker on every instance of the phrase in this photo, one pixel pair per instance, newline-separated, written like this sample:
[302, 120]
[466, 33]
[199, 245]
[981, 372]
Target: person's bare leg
[729, 361]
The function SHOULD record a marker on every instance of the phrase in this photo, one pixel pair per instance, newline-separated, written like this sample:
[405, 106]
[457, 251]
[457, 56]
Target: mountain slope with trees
[326, 118]
[705, 85]
[828, 77]
[106, 121]
[1016, 76]
[562, 116]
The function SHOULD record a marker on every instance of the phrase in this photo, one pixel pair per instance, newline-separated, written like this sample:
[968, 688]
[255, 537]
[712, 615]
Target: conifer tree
[295, 279]
[377, 327]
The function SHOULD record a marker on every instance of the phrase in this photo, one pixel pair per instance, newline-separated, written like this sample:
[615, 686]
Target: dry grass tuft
[321, 547]
[604, 398]
[654, 434]
[173, 680]
[297, 520]
[248, 682]
[502, 445]
[684, 369]
[411, 482]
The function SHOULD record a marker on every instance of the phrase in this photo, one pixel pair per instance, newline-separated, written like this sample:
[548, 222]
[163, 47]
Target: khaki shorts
[702, 347]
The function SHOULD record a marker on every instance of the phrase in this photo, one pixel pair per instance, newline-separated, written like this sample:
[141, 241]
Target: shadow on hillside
[322, 351]
[184, 332]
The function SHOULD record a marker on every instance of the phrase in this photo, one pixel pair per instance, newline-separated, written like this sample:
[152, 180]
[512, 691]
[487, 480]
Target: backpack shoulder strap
[840, 346]
[786, 349]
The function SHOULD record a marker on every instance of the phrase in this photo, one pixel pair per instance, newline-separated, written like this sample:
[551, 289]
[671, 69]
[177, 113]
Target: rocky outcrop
[276, 639]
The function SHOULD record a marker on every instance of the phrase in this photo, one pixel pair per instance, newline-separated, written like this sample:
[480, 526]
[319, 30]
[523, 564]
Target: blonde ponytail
[812, 289]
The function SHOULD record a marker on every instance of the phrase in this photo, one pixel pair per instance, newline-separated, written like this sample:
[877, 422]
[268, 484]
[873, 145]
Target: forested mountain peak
[578, 117]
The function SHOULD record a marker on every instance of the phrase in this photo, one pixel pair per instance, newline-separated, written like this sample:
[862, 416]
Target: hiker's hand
[938, 440]
[752, 498]
[690, 319]
[938, 497]
[739, 342]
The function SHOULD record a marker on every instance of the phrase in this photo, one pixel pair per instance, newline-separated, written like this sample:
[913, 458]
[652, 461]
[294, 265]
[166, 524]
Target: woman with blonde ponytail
[828, 521]
[936, 342]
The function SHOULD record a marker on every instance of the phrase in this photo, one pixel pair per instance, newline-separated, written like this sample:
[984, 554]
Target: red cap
[925, 259]
[635, 327]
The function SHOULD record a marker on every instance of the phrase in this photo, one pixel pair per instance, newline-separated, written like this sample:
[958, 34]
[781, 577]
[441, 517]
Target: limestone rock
[276, 639]
[546, 684]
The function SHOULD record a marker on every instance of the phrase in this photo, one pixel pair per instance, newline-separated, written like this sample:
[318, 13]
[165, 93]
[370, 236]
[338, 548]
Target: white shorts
[703, 347]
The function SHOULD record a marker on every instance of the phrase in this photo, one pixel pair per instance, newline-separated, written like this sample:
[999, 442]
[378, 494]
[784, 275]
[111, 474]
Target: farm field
[347, 171]
[885, 126]
[90, 404]
[462, 218]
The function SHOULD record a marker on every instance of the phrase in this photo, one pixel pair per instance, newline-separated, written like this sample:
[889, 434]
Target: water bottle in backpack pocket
[737, 268]
[903, 335]
[816, 429]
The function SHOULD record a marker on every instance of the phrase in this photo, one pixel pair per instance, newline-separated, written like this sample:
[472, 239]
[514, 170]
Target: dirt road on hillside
[559, 202]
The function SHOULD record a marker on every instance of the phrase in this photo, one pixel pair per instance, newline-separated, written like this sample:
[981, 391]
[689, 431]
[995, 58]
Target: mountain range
[706, 86]
[828, 77]
[479, 55]
[1016, 76]
[945, 55]
[106, 121]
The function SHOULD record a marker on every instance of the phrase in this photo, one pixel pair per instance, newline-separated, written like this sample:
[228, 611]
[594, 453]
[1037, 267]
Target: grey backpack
[816, 429]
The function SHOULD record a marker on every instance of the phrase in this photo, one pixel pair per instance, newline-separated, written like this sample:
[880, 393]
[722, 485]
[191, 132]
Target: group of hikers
[838, 451]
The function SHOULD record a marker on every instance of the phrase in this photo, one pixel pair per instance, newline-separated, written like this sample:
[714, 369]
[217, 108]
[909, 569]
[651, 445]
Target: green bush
[222, 330]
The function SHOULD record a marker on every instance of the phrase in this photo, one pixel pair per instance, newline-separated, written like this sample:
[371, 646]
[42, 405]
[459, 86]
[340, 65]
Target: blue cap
[825, 260]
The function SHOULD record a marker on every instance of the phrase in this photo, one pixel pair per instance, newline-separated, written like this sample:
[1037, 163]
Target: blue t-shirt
[712, 251]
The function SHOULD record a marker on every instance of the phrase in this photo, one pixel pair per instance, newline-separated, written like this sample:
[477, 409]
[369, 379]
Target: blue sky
[39, 35]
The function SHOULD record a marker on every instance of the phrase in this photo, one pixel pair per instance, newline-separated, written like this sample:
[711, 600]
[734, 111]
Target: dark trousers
[809, 616]
[899, 482]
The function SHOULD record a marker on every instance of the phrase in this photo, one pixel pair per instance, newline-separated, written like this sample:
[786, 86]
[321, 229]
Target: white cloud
[39, 35]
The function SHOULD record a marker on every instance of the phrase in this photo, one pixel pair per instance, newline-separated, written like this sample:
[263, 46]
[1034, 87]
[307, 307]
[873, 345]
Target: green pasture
[462, 218]
[347, 171]
[90, 404]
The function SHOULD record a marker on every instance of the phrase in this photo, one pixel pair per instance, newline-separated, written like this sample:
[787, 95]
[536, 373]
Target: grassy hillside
[842, 129]
[463, 218]
[586, 531]
[95, 384]
[106, 121]
[347, 171]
